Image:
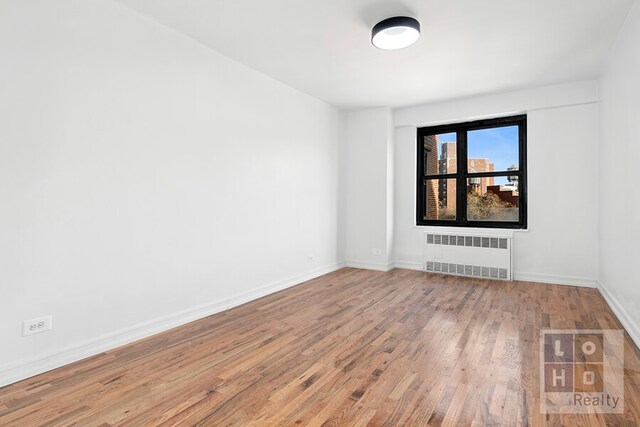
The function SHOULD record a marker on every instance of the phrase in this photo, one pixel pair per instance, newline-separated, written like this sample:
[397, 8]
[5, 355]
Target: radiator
[468, 254]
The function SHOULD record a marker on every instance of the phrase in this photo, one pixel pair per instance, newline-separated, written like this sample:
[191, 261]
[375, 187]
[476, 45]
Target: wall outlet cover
[37, 325]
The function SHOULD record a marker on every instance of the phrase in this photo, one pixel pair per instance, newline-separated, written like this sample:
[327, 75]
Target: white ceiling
[467, 47]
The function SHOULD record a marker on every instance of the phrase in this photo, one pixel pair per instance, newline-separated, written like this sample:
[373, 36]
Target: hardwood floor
[352, 348]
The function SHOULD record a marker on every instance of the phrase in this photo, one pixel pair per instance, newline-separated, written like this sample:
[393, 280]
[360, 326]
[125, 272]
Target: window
[473, 174]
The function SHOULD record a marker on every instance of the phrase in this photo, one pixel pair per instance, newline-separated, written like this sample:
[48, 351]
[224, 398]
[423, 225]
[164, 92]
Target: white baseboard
[366, 265]
[526, 277]
[556, 280]
[630, 325]
[409, 265]
[24, 369]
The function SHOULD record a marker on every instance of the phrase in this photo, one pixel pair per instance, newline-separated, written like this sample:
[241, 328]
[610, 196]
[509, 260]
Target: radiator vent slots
[466, 254]
[475, 241]
[468, 270]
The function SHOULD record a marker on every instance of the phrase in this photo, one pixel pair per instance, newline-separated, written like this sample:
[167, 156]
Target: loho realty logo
[582, 371]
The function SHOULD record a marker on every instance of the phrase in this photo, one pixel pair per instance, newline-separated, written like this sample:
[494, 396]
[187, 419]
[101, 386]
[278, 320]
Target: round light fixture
[395, 33]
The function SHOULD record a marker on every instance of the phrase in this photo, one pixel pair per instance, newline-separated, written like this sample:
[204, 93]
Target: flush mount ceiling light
[395, 33]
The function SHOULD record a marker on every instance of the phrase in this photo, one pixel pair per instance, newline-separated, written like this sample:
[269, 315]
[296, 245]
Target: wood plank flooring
[352, 348]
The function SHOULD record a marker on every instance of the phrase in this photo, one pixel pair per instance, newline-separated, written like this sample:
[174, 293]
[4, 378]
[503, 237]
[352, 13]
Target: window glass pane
[440, 199]
[440, 154]
[493, 149]
[493, 199]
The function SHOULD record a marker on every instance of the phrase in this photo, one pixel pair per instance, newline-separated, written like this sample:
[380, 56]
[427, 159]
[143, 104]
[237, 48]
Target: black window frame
[462, 172]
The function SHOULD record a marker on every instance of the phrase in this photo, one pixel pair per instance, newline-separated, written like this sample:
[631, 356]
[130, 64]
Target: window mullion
[420, 197]
[522, 169]
[461, 202]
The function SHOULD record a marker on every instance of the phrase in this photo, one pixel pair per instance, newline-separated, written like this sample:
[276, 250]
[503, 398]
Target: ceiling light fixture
[395, 33]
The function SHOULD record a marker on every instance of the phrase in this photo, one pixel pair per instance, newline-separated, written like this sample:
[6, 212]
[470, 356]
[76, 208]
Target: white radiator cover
[468, 254]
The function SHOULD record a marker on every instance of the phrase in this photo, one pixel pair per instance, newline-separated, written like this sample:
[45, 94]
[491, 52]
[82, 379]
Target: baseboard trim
[556, 280]
[366, 265]
[409, 265]
[525, 277]
[10, 374]
[632, 328]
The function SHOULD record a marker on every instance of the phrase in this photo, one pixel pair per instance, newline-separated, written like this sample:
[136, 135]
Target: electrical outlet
[35, 326]
[311, 258]
[376, 251]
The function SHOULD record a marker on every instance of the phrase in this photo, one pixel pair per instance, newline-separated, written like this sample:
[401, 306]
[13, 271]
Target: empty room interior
[319, 213]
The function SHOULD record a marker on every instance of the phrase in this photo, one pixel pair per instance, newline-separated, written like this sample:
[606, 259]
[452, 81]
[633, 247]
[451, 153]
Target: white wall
[619, 156]
[146, 180]
[369, 188]
[560, 244]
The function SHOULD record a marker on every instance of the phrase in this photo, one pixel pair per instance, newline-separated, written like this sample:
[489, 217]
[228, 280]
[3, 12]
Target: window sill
[507, 232]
